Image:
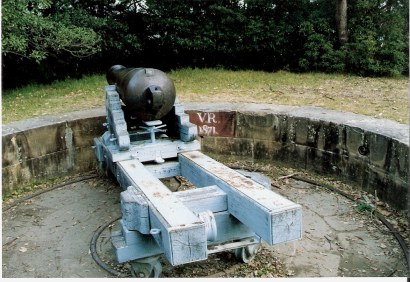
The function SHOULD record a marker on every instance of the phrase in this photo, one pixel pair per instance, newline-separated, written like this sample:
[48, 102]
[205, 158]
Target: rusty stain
[238, 181]
[157, 195]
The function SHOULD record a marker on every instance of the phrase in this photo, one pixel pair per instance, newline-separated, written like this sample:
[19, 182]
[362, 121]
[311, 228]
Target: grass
[376, 97]
[62, 96]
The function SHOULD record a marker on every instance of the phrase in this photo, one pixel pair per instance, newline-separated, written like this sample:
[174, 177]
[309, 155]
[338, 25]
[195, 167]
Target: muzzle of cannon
[148, 94]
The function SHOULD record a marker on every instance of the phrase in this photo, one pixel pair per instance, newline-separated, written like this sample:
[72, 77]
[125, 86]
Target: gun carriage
[149, 137]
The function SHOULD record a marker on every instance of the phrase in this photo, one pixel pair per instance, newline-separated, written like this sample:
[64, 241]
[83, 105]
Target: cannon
[148, 94]
[226, 211]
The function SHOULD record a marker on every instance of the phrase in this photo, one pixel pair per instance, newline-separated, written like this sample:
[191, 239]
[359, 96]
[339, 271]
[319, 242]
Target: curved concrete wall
[374, 153]
[49, 146]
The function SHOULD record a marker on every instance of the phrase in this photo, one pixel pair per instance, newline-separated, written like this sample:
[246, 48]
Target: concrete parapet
[373, 153]
[49, 146]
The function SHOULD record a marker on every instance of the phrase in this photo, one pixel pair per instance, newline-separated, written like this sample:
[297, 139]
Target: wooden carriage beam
[272, 217]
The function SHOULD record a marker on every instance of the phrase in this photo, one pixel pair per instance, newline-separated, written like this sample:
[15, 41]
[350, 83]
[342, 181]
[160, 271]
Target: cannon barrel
[148, 94]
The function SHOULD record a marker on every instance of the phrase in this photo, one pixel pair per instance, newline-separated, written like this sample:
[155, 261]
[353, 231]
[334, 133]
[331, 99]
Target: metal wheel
[246, 254]
[146, 270]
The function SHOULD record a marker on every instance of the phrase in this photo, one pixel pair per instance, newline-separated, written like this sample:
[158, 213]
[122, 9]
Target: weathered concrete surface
[338, 240]
[49, 236]
[373, 153]
[49, 146]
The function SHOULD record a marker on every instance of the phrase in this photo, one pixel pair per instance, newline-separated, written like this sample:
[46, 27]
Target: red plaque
[213, 123]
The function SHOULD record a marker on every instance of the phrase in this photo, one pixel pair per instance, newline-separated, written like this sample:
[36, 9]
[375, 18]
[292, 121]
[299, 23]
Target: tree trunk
[341, 20]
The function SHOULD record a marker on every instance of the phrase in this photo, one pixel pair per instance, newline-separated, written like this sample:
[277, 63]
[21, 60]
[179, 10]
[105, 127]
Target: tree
[341, 20]
[378, 41]
[45, 40]
[28, 34]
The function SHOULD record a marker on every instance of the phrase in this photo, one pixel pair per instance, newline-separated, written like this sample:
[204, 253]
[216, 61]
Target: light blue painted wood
[98, 150]
[162, 199]
[229, 229]
[134, 209]
[167, 169]
[182, 235]
[115, 118]
[198, 200]
[145, 151]
[122, 177]
[180, 245]
[187, 130]
[131, 245]
[271, 216]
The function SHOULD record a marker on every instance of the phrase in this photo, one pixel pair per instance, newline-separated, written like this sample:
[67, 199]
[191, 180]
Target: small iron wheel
[246, 254]
[146, 270]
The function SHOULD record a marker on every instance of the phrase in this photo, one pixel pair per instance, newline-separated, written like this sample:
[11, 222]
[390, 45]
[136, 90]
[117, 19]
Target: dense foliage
[43, 40]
